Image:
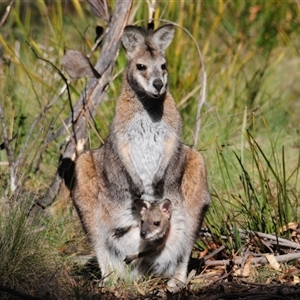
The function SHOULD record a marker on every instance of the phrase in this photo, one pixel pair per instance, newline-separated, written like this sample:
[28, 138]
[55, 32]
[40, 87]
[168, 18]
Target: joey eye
[157, 223]
[141, 67]
[163, 66]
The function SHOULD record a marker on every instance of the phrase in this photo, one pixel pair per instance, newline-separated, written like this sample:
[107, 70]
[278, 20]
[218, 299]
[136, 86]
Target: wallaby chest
[147, 139]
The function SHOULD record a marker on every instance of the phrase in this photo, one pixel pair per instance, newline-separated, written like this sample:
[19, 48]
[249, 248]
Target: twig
[14, 165]
[2, 145]
[189, 95]
[58, 96]
[281, 241]
[60, 74]
[226, 275]
[208, 256]
[201, 101]
[274, 240]
[151, 8]
[25, 144]
[10, 154]
[97, 42]
[7, 11]
[254, 260]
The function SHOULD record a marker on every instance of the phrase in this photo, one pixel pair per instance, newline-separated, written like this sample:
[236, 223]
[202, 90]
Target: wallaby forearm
[148, 252]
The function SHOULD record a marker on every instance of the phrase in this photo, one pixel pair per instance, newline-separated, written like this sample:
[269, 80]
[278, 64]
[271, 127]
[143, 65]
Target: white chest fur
[147, 144]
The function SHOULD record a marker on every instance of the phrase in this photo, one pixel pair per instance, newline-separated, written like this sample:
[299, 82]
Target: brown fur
[143, 157]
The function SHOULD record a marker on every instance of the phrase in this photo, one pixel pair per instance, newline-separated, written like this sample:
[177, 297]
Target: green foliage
[249, 123]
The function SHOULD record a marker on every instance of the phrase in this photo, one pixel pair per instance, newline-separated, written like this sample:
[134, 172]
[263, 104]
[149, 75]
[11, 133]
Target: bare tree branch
[91, 97]
[7, 11]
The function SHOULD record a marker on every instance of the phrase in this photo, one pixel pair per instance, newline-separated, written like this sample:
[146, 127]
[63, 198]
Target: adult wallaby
[155, 226]
[144, 158]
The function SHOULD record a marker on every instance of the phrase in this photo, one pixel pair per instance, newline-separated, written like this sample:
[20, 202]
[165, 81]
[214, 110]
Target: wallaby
[155, 226]
[144, 158]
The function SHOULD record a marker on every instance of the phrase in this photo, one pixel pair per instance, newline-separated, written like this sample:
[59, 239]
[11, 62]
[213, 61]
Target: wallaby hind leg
[86, 199]
[196, 197]
[194, 187]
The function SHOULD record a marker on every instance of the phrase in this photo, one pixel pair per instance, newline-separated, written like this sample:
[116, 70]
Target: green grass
[249, 124]
[29, 262]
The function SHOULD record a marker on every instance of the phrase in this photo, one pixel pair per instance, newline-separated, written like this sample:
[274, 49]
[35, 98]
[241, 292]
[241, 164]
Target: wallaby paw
[175, 286]
[128, 259]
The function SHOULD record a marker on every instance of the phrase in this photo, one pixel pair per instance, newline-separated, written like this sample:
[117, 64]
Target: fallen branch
[254, 260]
[210, 255]
[272, 238]
[275, 240]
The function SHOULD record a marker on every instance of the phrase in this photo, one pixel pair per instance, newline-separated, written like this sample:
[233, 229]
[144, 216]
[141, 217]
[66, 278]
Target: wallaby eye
[141, 67]
[163, 66]
[157, 223]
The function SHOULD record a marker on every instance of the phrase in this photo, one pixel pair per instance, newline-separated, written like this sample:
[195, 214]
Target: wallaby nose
[158, 84]
[143, 234]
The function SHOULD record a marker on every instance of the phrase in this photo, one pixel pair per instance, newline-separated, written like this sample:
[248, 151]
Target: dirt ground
[214, 288]
[220, 291]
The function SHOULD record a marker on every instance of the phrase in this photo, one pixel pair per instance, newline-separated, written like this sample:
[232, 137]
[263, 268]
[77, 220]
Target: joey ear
[163, 36]
[132, 38]
[141, 205]
[166, 207]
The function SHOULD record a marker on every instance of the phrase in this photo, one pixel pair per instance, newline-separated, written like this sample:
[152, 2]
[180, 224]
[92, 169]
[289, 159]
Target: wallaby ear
[166, 207]
[132, 38]
[163, 36]
[141, 205]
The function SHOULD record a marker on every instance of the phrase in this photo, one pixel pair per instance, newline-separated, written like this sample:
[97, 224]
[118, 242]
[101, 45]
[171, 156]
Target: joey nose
[158, 84]
[143, 234]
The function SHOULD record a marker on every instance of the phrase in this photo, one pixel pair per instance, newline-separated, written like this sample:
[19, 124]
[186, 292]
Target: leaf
[272, 261]
[245, 270]
[77, 65]
[296, 279]
[100, 9]
[190, 276]
[139, 289]
[203, 253]
[289, 226]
